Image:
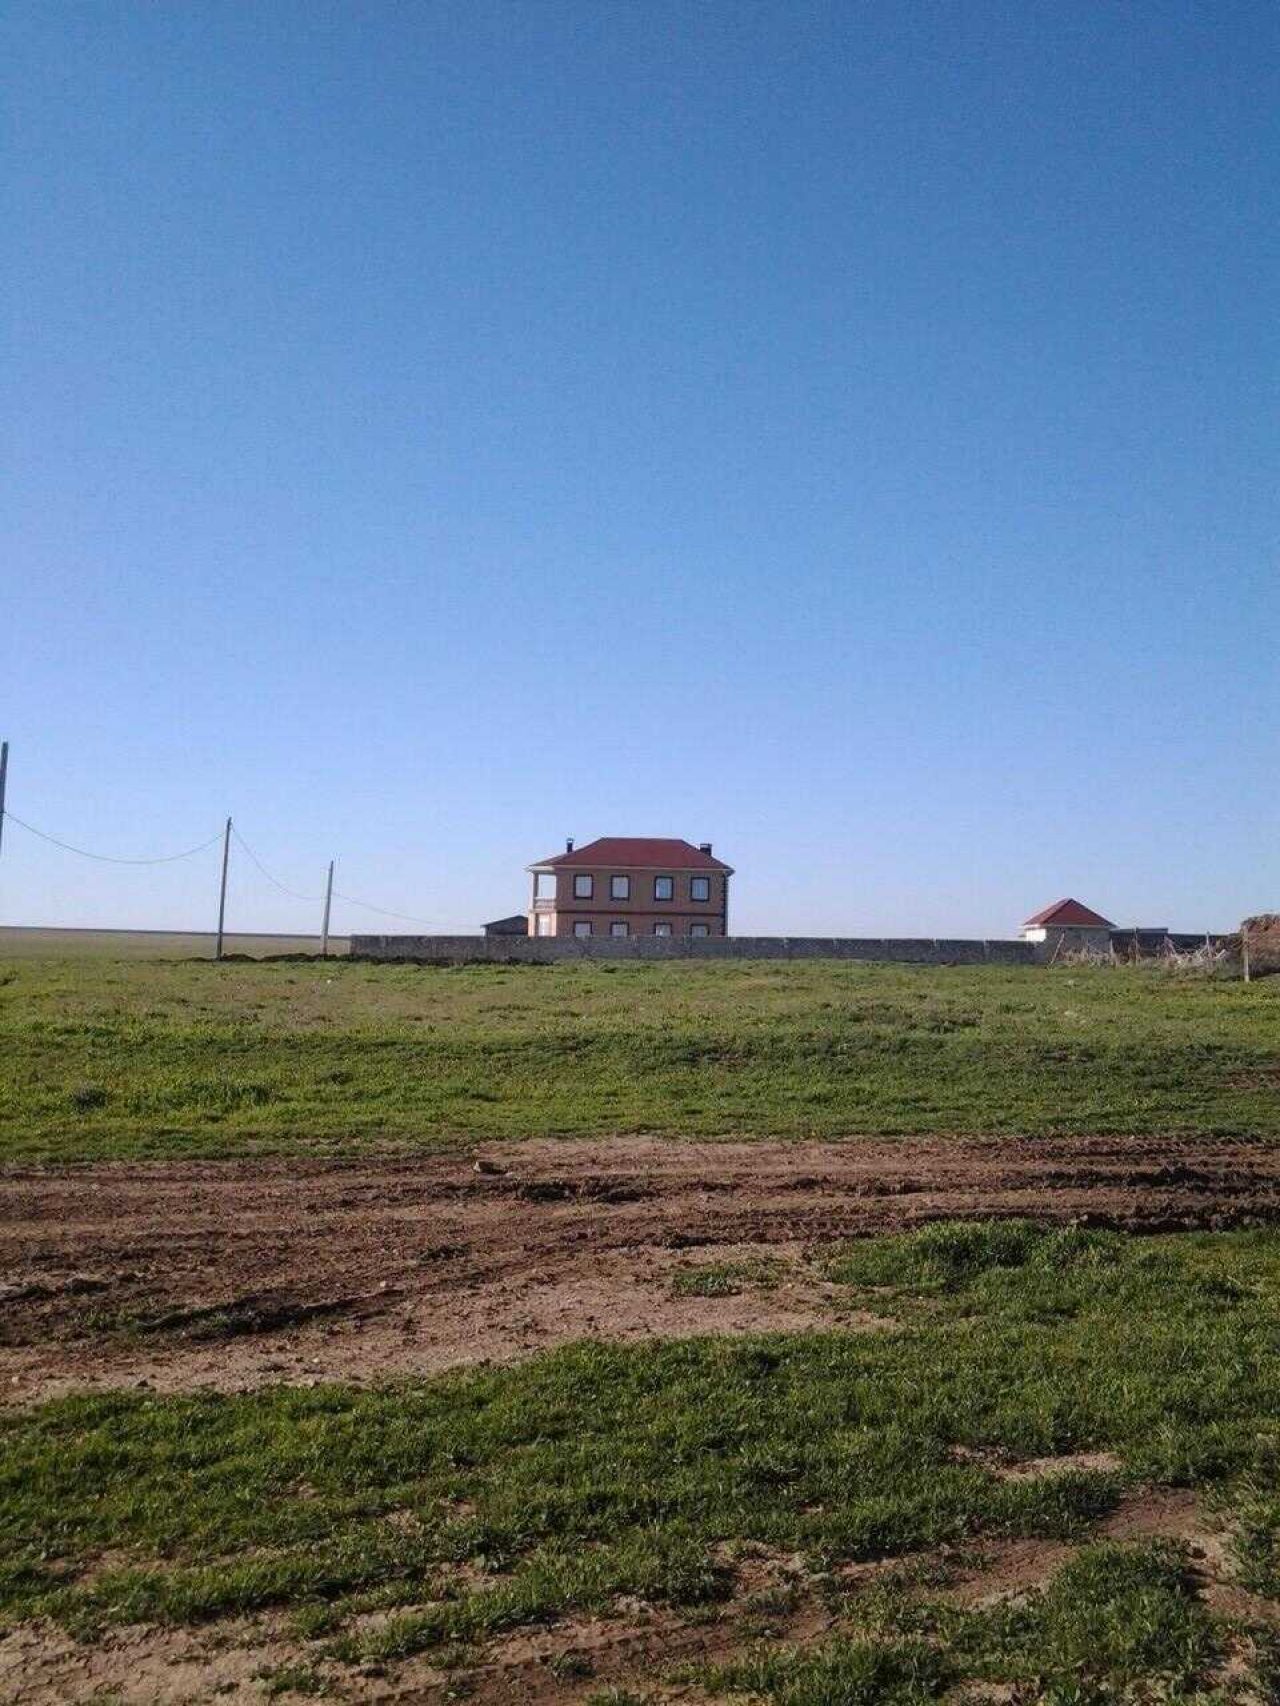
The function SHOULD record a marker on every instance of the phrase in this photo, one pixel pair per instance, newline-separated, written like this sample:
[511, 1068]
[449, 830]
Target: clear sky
[843, 432]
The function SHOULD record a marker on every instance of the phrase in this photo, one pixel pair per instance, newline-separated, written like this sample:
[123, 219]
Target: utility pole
[324, 928]
[4, 771]
[222, 892]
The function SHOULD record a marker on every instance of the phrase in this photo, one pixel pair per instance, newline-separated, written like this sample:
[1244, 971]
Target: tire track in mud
[230, 1274]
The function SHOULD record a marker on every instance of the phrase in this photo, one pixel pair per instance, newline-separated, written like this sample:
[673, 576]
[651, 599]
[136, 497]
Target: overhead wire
[409, 917]
[274, 881]
[108, 858]
[367, 906]
[190, 852]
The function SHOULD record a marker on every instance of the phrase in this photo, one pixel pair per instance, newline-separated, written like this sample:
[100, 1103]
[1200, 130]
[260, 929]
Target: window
[582, 926]
[620, 888]
[583, 886]
[544, 885]
[664, 888]
[699, 888]
[545, 922]
[619, 929]
[698, 930]
[662, 929]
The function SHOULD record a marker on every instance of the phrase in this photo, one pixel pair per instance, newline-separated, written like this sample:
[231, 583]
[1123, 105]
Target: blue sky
[847, 433]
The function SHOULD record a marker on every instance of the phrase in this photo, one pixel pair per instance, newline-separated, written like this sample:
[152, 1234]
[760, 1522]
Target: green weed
[850, 1672]
[725, 1279]
[1111, 1619]
[301, 1679]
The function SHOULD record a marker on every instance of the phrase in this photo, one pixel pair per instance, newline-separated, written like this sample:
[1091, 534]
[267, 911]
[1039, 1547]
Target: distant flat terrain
[20, 941]
[108, 1057]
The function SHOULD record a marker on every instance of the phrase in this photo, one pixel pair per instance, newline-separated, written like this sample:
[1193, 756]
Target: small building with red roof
[1069, 924]
[630, 885]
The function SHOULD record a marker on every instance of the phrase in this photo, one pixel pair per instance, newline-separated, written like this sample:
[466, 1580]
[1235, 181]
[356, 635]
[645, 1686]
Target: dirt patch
[44, 1666]
[1008, 1468]
[233, 1661]
[229, 1275]
[1007, 1568]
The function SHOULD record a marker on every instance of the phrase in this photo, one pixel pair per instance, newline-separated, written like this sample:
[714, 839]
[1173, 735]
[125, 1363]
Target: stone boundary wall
[549, 950]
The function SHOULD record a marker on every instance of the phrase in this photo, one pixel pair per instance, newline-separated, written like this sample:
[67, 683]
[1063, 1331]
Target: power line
[108, 858]
[386, 912]
[274, 881]
[222, 835]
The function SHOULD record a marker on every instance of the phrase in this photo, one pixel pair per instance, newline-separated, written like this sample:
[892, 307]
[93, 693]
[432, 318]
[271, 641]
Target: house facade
[630, 886]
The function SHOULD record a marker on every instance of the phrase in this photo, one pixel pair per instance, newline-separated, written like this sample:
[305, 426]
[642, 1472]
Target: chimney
[704, 847]
[568, 846]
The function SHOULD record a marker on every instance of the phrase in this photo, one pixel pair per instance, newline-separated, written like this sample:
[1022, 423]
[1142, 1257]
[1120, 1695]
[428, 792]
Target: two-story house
[630, 886]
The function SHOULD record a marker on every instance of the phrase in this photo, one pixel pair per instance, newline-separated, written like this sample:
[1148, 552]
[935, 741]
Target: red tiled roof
[637, 853]
[1069, 912]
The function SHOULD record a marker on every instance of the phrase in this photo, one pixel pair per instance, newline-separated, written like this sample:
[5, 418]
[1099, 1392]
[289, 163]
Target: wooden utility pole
[328, 901]
[4, 772]
[222, 892]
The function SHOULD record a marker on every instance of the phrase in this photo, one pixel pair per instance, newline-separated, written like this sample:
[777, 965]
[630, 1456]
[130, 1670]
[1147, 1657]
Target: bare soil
[227, 1275]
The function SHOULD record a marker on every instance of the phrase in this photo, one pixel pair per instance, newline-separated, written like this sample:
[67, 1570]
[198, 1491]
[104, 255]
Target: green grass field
[731, 1485]
[102, 1058]
[428, 1516]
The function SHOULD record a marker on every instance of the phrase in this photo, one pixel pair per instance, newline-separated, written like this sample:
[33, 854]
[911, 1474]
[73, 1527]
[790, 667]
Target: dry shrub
[1261, 935]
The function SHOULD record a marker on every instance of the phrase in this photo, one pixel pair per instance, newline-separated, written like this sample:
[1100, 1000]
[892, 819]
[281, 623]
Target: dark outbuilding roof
[516, 924]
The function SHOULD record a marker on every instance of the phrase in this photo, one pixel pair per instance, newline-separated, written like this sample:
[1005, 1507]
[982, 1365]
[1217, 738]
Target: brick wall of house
[639, 910]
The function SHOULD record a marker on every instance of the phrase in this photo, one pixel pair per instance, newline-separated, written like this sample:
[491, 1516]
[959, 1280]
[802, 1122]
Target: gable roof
[1070, 912]
[636, 853]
